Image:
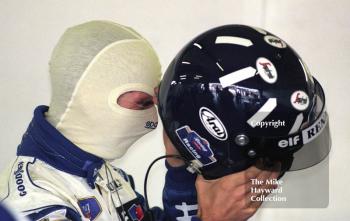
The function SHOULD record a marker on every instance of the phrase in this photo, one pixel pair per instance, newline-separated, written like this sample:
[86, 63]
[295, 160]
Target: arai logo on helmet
[266, 70]
[299, 100]
[212, 123]
[275, 42]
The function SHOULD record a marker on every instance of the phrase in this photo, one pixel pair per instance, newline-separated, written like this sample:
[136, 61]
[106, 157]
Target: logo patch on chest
[90, 208]
[136, 212]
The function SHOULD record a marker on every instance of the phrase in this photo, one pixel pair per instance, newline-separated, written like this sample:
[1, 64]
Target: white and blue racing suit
[52, 179]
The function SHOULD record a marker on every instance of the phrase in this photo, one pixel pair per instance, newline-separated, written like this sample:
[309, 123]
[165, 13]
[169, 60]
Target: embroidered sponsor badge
[196, 145]
[212, 123]
[275, 42]
[90, 208]
[136, 212]
[266, 70]
[299, 100]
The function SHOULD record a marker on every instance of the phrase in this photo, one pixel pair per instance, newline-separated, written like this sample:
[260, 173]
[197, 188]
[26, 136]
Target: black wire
[148, 171]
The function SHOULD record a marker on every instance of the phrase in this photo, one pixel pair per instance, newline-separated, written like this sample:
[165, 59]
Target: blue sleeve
[179, 194]
[6, 214]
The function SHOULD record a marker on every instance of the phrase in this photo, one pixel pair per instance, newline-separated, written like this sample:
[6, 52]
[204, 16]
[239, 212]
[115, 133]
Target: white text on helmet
[290, 142]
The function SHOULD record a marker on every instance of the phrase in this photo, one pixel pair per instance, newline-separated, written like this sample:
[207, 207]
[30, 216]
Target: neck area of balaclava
[91, 66]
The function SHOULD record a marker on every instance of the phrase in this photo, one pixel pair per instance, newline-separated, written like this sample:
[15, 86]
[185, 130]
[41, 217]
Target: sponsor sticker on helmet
[212, 123]
[266, 70]
[196, 145]
[275, 42]
[299, 100]
[312, 132]
[308, 134]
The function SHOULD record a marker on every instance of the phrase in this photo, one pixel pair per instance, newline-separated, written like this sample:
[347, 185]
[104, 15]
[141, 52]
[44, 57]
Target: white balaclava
[91, 66]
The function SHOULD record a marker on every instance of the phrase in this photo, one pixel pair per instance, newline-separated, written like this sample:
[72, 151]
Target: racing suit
[52, 179]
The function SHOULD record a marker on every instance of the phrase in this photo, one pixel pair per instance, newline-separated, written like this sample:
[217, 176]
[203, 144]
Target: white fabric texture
[91, 66]
[46, 186]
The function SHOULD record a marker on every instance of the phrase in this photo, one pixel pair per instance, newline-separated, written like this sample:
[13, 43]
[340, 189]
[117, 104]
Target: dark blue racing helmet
[238, 94]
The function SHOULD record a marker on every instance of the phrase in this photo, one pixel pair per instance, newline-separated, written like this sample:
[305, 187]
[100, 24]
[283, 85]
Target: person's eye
[145, 104]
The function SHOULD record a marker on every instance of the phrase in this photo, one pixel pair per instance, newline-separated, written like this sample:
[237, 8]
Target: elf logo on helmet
[290, 142]
[212, 123]
[308, 134]
[266, 70]
[299, 100]
[275, 42]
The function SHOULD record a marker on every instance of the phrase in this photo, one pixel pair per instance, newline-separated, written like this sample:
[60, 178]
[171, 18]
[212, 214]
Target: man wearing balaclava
[103, 77]
[62, 170]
